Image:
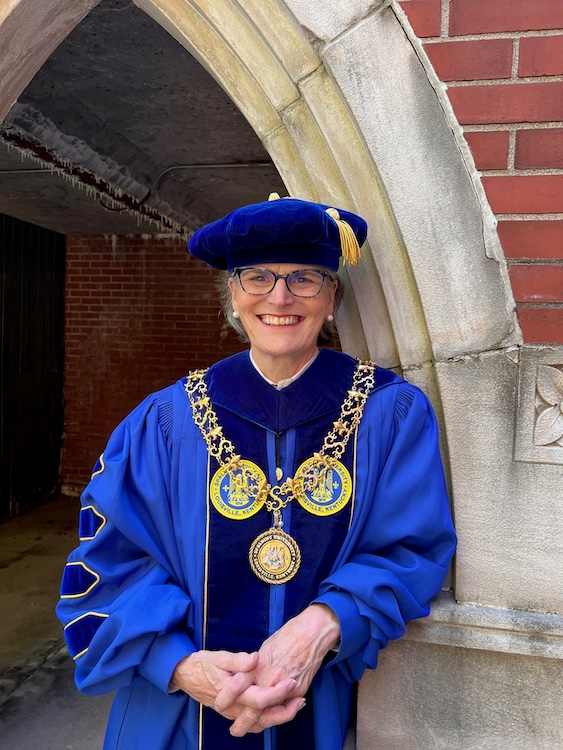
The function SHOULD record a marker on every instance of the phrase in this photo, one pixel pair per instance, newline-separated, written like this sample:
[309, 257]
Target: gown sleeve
[124, 609]
[402, 539]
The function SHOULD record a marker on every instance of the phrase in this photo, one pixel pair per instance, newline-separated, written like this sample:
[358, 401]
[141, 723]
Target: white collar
[287, 381]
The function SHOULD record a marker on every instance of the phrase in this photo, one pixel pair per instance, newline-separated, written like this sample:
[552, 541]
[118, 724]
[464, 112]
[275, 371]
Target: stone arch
[331, 109]
[351, 114]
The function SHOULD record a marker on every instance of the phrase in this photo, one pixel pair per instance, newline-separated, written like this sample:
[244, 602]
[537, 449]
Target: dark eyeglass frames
[302, 283]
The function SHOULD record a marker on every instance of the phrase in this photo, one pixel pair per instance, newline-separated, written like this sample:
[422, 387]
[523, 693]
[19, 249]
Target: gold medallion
[239, 488]
[274, 556]
[237, 492]
[322, 487]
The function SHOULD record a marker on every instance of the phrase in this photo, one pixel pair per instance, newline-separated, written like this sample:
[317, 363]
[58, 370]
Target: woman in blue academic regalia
[253, 535]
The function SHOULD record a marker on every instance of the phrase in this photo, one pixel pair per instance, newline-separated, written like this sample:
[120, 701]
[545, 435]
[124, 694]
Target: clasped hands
[266, 688]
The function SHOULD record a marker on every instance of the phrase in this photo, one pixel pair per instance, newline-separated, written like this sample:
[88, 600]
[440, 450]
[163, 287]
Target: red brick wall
[139, 313]
[502, 61]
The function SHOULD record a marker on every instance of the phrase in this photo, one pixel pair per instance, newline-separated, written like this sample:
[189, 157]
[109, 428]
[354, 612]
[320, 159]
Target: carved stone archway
[352, 114]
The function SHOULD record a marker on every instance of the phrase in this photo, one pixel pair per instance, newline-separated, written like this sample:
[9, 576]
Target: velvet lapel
[235, 385]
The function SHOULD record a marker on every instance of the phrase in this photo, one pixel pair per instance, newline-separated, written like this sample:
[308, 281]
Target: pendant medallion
[274, 556]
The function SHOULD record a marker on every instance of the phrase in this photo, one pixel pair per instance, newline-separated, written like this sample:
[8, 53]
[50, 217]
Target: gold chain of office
[239, 488]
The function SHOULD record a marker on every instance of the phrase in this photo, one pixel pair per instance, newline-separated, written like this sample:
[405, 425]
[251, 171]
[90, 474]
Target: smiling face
[282, 328]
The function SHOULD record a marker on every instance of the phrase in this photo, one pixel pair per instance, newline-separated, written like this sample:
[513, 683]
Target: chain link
[223, 451]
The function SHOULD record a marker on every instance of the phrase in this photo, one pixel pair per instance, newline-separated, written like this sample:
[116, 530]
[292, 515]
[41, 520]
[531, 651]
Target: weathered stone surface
[29, 32]
[430, 697]
[489, 629]
[351, 331]
[508, 513]
[315, 153]
[326, 21]
[284, 35]
[249, 46]
[383, 283]
[465, 295]
[287, 159]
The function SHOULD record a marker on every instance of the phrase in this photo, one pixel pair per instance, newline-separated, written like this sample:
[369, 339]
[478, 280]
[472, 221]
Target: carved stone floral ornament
[548, 429]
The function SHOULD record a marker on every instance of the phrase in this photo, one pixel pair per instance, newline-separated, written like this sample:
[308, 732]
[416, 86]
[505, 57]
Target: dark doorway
[32, 262]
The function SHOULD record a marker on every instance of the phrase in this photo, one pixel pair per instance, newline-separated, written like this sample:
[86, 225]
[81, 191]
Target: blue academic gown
[159, 573]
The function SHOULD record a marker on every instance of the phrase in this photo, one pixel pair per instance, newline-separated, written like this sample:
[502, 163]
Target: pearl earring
[236, 316]
[329, 318]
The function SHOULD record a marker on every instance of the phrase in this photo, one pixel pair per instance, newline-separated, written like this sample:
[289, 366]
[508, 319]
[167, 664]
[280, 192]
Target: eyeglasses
[259, 281]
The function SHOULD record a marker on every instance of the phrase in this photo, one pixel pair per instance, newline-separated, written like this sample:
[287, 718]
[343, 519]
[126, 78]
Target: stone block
[315, 154]
[289, 164]
[324, 21]
[489, 629]
[432, 697]
[508, 514]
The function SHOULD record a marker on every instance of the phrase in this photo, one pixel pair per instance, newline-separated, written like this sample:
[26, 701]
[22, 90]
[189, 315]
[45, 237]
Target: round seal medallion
[322, 488]
[237, 493]
[274, 556]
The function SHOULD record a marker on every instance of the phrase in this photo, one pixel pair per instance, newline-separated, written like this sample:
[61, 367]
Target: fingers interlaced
[270, 717]
[235, 687]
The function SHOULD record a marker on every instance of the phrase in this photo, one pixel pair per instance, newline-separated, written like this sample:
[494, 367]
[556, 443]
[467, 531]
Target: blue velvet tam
[286, 230]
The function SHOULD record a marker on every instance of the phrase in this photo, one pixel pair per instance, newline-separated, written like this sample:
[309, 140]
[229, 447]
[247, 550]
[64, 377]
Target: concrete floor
[46, 711]
[33, 551]
[40, 707]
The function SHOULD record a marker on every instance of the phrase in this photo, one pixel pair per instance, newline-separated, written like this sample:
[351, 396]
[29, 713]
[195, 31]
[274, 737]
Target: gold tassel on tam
[274, 197]
[351, 253]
